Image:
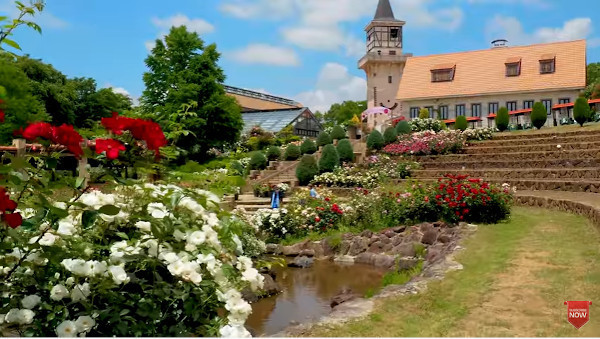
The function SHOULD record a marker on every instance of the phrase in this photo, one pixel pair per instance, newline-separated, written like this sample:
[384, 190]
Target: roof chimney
[499, 43]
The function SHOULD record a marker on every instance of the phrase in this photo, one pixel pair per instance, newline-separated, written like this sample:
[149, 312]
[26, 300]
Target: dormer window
[547, 63]
[513, 67]
[442, 73]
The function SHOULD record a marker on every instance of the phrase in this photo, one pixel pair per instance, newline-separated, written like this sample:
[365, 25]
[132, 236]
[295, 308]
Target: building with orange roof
[474, 83]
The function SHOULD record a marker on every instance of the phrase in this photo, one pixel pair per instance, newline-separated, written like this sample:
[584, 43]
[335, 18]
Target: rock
[270, 286]
[376, 247]
[373, 239]
[293, 250]
[429, 237]
[414, 237]
[384, 239]
[366, 233]
[301, 262]
[425, 227]
[397, 240]
[444, 238]
[433, 254]
[327, 248]
[358, 246]
[347, 236]
[406, 263]
[405, 250]
[398, 229]
[273, 249]
[439, 224]
[343, 296]
[387, 247]
[385, 261]
[249, 295]
[345, 246]
[365, 258]
[346, 259]
[389, 233]
[307, 253]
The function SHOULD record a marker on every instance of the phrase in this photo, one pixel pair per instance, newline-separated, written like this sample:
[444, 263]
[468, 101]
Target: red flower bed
[110, 146]
[63, 135]
[328, 215]
[141, 129]
[8, 207]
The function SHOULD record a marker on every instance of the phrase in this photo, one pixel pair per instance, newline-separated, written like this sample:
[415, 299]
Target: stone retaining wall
[569, 206]
[508, 164]
[514, 173]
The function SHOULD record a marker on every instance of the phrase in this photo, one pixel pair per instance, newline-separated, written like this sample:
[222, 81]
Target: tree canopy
[341, 113]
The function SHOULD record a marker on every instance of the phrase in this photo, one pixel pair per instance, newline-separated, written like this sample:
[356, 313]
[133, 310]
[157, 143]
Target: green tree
[183, 70]
[20, 106]
[338, 133]
[581, 111]
[345, 150]
[502, 119]
[424, 113]
[461, 123]
[324, 139]
[91, 104]
[403, 127]
[307, 169]
[308, 147]
[339, 114]
[258, 161]
[329, 159]
[10, 25]
[292, 152]
[375, 141]
[390, 135]
[273, 153]
[539, 115]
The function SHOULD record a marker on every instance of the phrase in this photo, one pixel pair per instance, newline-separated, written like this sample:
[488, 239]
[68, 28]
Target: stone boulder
[358, 246]
[444, 238]
[384, 261]
[376, 247]
[429, 237]
[345, 246]
[397, 240]
[389, 233]
[406, 249]
[293, 250]
[307, 253]
[365, 258]
[270, 286]
[301, 262]
[406, 263]
[366, 233]
[273, 249]
[343, 296]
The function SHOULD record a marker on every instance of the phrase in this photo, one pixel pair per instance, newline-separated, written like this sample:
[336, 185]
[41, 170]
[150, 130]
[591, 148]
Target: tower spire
[384, 11]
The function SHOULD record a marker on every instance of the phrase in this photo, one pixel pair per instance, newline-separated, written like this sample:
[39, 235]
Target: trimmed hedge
[308, 147]
[375, 141]
[324, 139]
[258, 161]
[292, 152]
[539, 115]
[502, 119]
[424, 113]
[461, 123]
[345, 150]
[581, 111]
[390, 135]
[403, 127]
[338, 133]
[329, 159]
[273, 153]
[307, 169]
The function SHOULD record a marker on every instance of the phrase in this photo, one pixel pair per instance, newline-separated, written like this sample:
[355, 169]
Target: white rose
[26, 317]
[31, 301]
[157, 210]
[80, 292]
[58, 292]
[85, 323]
[196, 238]
[94, 267]
[169, 257]
[66, 329]
[238, 331]
[143, 226]
[176, 268]
[118, 274]
[77, 266]
[70, 281]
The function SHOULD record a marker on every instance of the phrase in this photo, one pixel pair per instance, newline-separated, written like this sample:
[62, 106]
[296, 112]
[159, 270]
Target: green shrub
[390, 135]
[539, 115]
[308, 147]
[292, 152]
[273, 153]
[324, 139]
[258, 161]
[581, 111]
[345, 150]
[329, 159]
[424, 113]
[403, 127]
[375, 140]
[191, 167]
[338, 133]
[461, 123]
[307, 169]
[502, 119]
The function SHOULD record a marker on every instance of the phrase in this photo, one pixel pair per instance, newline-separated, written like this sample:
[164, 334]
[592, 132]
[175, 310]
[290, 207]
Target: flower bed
[479, 134]
[421, 125]
[427, 143]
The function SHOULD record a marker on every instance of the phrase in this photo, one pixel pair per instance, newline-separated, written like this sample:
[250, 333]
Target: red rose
[317, 219]
[426, 199]
[67, 136]
[13, 220]
[327, 199]
[2, 116]
[110, 146]
[38, 130]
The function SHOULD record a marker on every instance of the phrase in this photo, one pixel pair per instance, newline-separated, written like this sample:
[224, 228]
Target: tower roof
[384, 11]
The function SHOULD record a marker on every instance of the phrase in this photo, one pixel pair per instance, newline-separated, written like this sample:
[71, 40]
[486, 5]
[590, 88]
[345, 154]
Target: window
[389, 79]
[394, 33]
[511, 106]
[513, 69]
[378, 52]
[441, 75]
[493, 108]
[443, 112]
[460, 110]
[547, 64]
[564, 101]
[548, 104]
[375, 95]
[392, 52]
[414, 112]
[431, 113]
[528, 104]
[476, 110]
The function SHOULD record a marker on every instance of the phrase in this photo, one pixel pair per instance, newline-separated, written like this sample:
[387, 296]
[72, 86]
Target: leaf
[88, 218]
[12, 43]
[109, 210]
[123, 236]
[34, 26]
[58, 212]
[2, 18]
[51, 163]
[79, 182]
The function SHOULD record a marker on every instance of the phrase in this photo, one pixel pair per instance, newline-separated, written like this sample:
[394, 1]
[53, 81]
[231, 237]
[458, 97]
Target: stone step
[542, 134]
[553, 139]
[533, 147]
[521, 173]
[569, 185]
[254, 208]
[515, 156]
[509, 164]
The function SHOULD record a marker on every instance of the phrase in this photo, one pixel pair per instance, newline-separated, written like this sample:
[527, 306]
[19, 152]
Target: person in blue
[313, 192]
[275, 199]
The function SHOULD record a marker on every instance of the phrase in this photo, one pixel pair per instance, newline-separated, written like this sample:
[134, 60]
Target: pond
[307, 294]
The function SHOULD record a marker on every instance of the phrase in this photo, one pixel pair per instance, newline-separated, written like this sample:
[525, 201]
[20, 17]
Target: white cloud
[335, 84]
[264, 9]
[510, 28]
[266, 55]
[544, 4]
[197, 25]
[121, 90]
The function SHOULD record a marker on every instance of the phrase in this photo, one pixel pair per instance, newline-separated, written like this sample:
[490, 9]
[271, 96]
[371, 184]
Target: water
[307, 294]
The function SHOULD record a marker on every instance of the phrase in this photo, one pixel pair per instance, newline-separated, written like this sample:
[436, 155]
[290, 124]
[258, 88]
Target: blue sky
[302, 49]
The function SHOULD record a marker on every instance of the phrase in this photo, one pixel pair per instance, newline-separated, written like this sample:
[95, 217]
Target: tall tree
[342, 113]
[183, 71]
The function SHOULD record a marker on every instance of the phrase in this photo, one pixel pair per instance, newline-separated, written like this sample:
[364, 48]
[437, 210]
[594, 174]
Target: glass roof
[271, 121]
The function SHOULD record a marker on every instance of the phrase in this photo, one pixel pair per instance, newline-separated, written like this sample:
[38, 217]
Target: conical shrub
[461, 123]
[502, 119]
[258, 161]
[308, 147]
[581, 111]
[345, 151]
[329, 159]
[539, 115]
[375, 141]
[324, 139]
[403, 127]
[292, 152]
[273, 153]
[390, 135]
[338, 133]
[307, 169]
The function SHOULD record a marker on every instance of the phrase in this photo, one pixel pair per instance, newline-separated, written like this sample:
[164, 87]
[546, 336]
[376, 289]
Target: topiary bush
[345, 150]
[461, 123]
[273, 153]
[424, 113]
[292, 152]
[324, 139]
[502, 119]
[307, 169]
[403, 127]
[258, 161]
[329, 159]
[539, 115]
[375, 141]
[338, 133]
[308, 147]
[390, 135]
[581, 111]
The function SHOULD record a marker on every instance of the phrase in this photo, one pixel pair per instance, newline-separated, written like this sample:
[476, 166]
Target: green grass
[401, 277]
[564, 253]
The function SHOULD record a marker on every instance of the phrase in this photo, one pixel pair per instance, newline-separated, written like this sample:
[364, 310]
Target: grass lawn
[516, 278]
